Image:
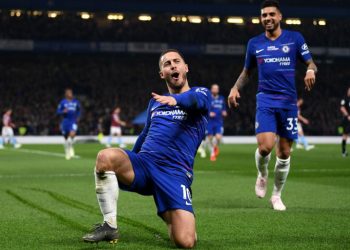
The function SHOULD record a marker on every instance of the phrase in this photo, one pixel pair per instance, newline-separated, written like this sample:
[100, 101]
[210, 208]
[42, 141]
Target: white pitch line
[196, 172]
[292, 170]
[46, 153]
[43, 175]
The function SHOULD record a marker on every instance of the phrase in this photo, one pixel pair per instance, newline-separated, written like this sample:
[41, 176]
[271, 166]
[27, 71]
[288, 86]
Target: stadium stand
[33, 82]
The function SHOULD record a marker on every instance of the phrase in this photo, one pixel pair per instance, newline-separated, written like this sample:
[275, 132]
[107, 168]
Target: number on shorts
[291, 125]
[186, 194]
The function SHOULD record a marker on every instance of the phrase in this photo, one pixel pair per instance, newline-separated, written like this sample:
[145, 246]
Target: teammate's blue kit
[218, 105]
[69, 122]
[277, 96]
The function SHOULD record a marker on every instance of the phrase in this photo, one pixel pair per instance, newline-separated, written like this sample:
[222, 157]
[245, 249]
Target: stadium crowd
[33, 84]
[69, 26]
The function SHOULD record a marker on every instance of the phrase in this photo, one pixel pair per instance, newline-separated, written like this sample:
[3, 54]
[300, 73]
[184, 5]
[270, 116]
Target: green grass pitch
[48, 202]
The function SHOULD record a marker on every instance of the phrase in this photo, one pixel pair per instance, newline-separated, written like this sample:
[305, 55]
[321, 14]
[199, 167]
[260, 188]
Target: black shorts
[346, 126]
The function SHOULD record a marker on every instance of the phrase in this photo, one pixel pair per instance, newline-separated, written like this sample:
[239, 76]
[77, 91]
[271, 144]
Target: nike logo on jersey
[294, 132]
[259, 50]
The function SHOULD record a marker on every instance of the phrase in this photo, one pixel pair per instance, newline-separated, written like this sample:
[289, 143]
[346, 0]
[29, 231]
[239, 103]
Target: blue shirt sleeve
[302, 48]
[196, 98]
[140, 140]
[250, 61]
[60, 108]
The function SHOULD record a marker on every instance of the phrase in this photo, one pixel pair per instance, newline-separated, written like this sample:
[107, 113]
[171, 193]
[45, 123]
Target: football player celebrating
[275, 53]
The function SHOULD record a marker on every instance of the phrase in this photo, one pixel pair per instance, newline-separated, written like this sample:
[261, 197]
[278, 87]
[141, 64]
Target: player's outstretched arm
[234, 95]
[310, 76]
[164, 99]
[197, 99]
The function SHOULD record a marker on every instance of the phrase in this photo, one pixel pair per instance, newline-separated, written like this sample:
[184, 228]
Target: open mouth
[175, 75]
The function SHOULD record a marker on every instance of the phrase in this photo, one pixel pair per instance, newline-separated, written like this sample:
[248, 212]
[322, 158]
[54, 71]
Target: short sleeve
[302, 48]
[249, 56]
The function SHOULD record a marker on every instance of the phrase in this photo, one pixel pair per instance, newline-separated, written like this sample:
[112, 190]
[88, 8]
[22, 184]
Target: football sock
[210, 147]
[281, 172]
[66, 146]
[70, 145]
[109, 140]
[13, 140]
[262, 163]
[107, 192]
[303, 141]
[119, 140]
[343, 146]
[1, 141]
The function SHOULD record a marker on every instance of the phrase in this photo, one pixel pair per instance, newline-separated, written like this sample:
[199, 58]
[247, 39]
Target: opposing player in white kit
[116, 128]
[7, 130]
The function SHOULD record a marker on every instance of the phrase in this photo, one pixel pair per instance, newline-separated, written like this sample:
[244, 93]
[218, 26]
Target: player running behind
[216, 121]
[69, 109]
[301, 142]
[345, 110]
[275, 53]
[161, 162]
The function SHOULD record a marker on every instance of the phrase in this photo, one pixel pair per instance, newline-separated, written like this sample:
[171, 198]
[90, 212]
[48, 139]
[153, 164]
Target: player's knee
[103, 161]
[284, 153]
[185, 241]
[264, 150]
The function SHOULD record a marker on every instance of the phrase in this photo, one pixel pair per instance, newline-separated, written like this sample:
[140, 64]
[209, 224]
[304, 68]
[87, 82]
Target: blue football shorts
[66, 127]
[281, 121]
[214, 128]
[170, 191]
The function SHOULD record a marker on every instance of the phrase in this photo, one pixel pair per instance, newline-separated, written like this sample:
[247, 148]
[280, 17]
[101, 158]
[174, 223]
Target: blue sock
[303, 141]
[119, 140]
[13, 141]
[109, 140]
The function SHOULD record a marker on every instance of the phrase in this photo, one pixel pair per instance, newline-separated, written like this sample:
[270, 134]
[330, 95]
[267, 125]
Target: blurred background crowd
[32, 83]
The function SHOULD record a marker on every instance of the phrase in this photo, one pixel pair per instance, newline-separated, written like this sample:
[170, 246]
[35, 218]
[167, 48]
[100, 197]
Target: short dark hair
[167, 51]
[270, 3]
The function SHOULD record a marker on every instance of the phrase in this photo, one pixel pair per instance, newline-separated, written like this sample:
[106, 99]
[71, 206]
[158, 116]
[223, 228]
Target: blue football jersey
[73, 110]
[276, 61]
[218, 105]
[172, 134]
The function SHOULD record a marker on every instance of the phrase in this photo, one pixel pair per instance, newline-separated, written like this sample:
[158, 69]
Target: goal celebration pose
[161, 162]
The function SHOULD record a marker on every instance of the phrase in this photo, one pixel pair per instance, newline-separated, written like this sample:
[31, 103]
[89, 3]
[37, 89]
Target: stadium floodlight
[115, 16]
[293, 21]
[214, 19]
[85, 15]
[145, 18]
[184, 19]
[173, 18]
[235, 20]
[52, 14]
[322, 22]
[255, 20]
[37, 13]
[15, 13]
[194, 19]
